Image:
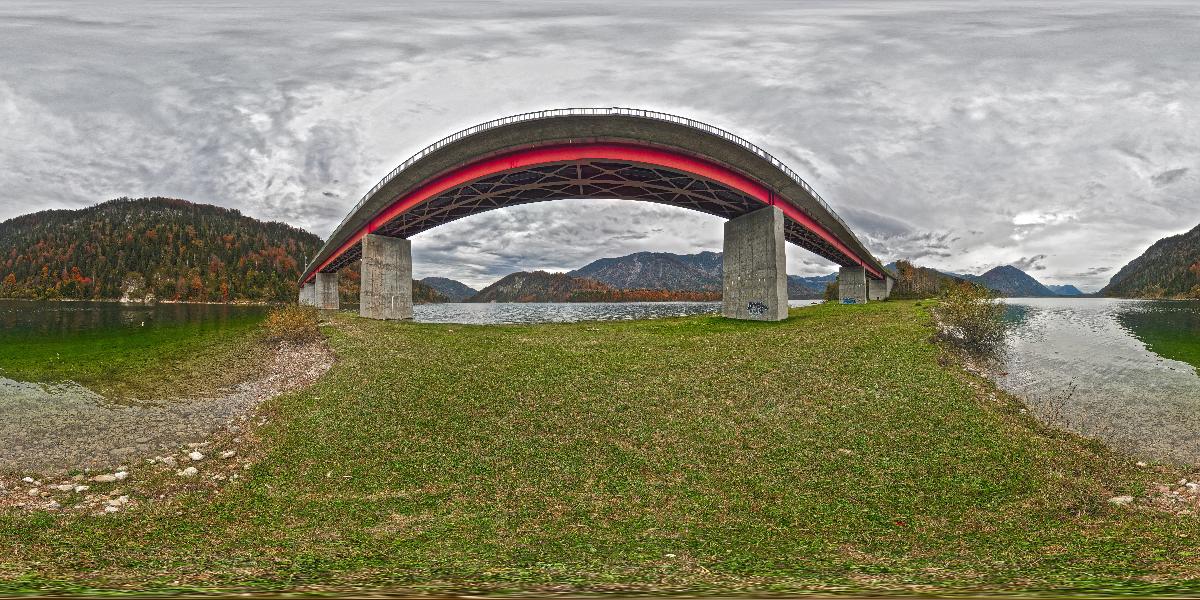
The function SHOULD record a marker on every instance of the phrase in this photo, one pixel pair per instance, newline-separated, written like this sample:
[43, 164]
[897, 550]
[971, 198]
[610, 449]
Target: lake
[1124, 371]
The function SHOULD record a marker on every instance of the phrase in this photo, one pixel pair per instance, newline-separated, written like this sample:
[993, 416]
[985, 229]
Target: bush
[293, 324]
[972, 318]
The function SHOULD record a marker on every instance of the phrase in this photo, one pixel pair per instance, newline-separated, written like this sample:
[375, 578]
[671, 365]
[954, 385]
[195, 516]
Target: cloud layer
[1062, 137]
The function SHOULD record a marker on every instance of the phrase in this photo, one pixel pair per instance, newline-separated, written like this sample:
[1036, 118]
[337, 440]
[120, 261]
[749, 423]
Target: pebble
[1121, 500]
[82, 488]
[27, 479]
[53, 505]
[121, 475]
[167, 460]
[111, 509]
[189, 472]
[34, 492]
[66, 487]
[229, 454]
[105, 478]
[195, 455]
[1142, 464]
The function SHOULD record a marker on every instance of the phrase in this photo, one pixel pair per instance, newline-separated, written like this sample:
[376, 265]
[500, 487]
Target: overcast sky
[1063, 138]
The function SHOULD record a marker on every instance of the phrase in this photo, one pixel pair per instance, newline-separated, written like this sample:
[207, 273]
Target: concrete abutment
[852, 285]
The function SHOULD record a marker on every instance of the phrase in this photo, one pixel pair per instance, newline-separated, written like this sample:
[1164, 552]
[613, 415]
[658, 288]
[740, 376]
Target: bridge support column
[386, 291]
[326, 288]
[852, 285]
[754, 286]
[308, 294]
[879, 289]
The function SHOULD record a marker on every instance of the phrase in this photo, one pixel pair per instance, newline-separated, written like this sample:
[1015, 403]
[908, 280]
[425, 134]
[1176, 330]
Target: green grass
[830, 452]
[146, 364]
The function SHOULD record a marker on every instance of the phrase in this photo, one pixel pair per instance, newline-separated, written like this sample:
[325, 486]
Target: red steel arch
[591, 157]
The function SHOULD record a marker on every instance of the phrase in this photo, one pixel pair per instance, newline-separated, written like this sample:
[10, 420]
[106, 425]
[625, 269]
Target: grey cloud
[1168, 177]
[917, 121]
[1032, 263]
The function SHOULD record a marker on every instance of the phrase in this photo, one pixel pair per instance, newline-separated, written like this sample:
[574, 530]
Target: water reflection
[1111, 369]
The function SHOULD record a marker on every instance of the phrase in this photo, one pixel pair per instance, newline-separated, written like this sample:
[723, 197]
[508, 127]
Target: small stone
[82, 488]
[53, 505]
[66, 487]
[229, 454]
[35, 492]
[1192, 487]
[167, 460]
[105, 478]
[27, 479]
[188, 472]
[1142, 464]
[111, 509]
[121, 475]
[195, 455]
[1121, 500]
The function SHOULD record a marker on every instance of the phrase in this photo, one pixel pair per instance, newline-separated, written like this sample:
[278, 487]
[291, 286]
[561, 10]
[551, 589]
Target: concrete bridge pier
[386, 291]
[879, 289]
[852, 285]
[754, 286]
[308, 294]
[326, 291]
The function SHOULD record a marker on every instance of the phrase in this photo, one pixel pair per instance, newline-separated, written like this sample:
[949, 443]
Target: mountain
[540, 286]
[452, 290]
[1065, 290]
[656, 270]
[1012, 282]
[1169, 268]
[350, 283]
[699, 272]
[806, 288]
[167, 248]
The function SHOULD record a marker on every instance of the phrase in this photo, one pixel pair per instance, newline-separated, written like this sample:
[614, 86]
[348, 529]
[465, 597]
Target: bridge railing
[561, 112]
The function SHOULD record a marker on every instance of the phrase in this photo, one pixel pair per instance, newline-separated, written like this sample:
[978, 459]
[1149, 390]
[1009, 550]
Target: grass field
[837, 451]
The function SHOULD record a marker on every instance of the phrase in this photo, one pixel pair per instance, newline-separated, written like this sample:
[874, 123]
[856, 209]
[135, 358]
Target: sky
[1060, 137]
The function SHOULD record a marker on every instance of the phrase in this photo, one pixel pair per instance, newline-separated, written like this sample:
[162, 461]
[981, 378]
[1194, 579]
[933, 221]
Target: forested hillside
[161, 247]
[1168, 269]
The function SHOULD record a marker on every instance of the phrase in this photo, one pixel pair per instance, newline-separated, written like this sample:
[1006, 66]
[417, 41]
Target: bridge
[612, 153]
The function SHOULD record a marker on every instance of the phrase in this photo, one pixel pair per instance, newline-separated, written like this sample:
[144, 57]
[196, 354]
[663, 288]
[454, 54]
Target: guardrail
[562, 112]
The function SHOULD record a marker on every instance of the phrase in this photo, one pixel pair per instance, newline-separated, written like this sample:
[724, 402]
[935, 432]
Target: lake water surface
[1124, 371]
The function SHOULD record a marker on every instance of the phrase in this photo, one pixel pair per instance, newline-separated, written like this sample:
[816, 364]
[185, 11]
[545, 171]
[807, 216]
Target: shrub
[972, 318]
[293, 324]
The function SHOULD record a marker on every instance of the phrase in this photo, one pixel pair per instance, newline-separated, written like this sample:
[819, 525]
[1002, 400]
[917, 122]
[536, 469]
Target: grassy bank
[838, 450]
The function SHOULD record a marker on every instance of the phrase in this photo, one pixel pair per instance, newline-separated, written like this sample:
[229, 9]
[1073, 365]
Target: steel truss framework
[587, 178]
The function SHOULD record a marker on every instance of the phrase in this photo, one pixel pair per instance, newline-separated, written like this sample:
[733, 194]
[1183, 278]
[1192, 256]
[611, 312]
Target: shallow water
[1111, 369]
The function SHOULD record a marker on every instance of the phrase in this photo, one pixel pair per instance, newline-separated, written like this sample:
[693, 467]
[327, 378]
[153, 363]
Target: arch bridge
[611, 153]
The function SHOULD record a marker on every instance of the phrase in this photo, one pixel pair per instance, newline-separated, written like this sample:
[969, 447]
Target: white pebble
[106, 478]
[229, 454]
[194, 455]
[120, 475]
[34, 492]
[27, 479]
[1121, 500]
[111, 509]
[188, 472]
[82, 488]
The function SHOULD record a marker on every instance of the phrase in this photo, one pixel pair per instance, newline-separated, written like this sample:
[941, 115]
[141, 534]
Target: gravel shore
[54, 429]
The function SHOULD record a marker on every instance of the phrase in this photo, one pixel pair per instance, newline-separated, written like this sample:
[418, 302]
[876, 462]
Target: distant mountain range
[452, 290]
[1011, 282]
[1065, 290]
[540, 286]
[1170, 268]
[681, 272]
